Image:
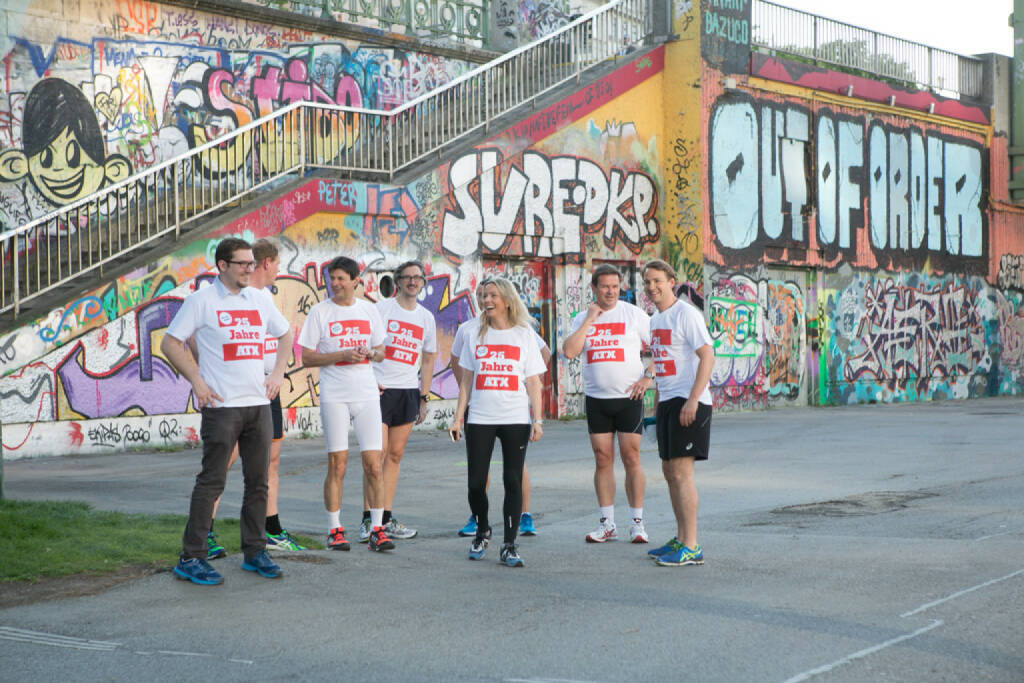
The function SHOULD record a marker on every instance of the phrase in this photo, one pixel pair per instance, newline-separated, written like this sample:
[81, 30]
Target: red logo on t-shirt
[240, 351]
[606, 355]
[235, 318]
[345, 328]
[497, 352]
[662, 337]
[497, 382]
[401, 328]
[270, 345]
[607, 330]
[401, 355]
[664, 368]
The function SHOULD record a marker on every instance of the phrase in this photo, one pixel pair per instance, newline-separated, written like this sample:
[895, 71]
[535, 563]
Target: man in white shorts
[410, 346]
[230, 322]
[462, 334]
[611, 334]
[341, 336]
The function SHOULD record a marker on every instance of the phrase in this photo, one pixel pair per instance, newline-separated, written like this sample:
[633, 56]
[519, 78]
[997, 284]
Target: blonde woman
[500, 383]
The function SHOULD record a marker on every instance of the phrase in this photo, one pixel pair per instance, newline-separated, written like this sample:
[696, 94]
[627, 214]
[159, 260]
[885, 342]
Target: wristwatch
[424, 397]
[539, 422]
[649, 373]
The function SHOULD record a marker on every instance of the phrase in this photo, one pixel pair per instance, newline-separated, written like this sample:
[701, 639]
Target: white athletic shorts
[364, 417]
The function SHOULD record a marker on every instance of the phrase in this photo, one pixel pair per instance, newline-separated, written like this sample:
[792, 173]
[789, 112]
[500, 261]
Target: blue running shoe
[197, 570]
[262, 565]
[509, 557]
[470, 528]
[526, 527]
[655, 553]
[681, 556]
[214, 550]
[477, 548]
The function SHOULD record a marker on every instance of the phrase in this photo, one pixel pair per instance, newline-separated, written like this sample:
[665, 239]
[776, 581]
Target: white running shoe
[637, 533]
[603, 532]
[365, 527]
[396, 529]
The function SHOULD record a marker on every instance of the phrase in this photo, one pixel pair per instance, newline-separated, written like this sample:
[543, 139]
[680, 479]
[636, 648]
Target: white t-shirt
[409, 334]
[330, 328]
[500, 364]
[229, 330]
[470, 326]
[270, 341]
[676, 334]
[611, 351]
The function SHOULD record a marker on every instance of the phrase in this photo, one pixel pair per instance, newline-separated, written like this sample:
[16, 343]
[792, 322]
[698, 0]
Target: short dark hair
[263, 249]
[605, 269]
[227, 248]
[53, 105]
[346, 264]
[409, 264]
[658, 264]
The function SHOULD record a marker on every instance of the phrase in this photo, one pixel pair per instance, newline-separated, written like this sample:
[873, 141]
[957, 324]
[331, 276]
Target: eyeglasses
[418, 278]
[246, 265]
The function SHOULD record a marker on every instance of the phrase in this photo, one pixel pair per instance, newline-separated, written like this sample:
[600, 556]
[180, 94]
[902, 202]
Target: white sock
[333, 519]
[637, 513]
[608, 514]
[376, 517]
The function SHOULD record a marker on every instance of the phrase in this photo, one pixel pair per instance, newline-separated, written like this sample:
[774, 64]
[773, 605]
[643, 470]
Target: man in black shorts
[611, 334]
[404, 378]
[683, 360]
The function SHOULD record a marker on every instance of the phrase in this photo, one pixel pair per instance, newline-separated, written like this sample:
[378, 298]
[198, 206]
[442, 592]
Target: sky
[973, 27]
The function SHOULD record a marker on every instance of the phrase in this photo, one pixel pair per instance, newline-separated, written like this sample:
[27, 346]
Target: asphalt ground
[842, 544]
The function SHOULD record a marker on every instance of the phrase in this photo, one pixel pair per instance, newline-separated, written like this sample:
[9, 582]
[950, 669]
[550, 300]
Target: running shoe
[509, 557]
[282, 541]
[470, 528]
[478, 547]
[262, 565]
[655, 553]
[396, 529]
[214, 550]
[336, 539]
[197, 570]
[364, 531]
[526, 527]
[603, 532]
[681, 556]
[637, 533]
[379, 540]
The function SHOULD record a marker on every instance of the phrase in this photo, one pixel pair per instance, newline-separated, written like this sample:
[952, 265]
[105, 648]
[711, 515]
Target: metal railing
[458, 20]
[88, 234]
[880, 55]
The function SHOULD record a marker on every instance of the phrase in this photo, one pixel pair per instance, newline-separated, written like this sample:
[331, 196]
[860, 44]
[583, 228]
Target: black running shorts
[677, 441]
[399, 406]
[607, 415]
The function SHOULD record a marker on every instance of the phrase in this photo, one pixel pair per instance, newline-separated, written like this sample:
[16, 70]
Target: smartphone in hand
[453, 432]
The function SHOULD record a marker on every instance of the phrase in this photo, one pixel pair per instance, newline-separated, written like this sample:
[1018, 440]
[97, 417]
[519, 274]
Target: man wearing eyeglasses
[229, 321]
[409, 350]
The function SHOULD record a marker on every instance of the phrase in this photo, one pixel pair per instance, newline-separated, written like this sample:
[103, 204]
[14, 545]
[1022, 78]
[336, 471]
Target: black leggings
[479, 445]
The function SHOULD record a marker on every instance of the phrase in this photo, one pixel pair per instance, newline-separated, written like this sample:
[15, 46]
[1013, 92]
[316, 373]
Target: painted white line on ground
[1001, 533]
[933, 603]
[20, 635]
[39, 638]
[863, 653]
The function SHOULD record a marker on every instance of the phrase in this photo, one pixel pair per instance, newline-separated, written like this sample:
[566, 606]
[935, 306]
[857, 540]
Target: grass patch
[60, 538]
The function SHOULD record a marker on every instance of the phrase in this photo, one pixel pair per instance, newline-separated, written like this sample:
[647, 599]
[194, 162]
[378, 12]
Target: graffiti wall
[574, 182]
[881, 219]
[135, 83]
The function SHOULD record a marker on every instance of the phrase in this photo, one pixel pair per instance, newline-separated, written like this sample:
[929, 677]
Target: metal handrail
[94, 231]
[803, 34]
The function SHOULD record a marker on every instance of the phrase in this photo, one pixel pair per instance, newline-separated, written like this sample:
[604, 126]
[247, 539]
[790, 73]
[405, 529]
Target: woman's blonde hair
[518, 316]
